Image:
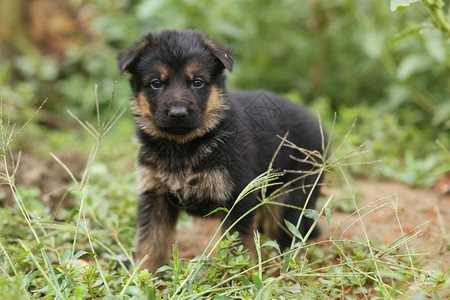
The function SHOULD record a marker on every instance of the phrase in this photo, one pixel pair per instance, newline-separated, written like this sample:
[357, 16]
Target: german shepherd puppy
[201, 145]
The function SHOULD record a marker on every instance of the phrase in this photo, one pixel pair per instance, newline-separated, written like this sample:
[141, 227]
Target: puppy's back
[268, 115]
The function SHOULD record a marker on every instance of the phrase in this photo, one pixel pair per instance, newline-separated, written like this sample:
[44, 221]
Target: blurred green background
[358, 59]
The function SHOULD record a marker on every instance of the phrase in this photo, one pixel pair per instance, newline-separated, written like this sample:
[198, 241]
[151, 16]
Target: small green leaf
[216, 210]
[434, 45]
[412, 64]
[199, 258]
[293, 229]
[311, 213]
[374, 42]
[272, 244]
[97, 283]
[257, 281]
[419, 295]
[286, 262]
[163, 269]
[298, 245]
[75, 212]
[29, 278]
[65, 256]
[39, 246]
[81, 253]
[91, 254]
[397, 5]
[151, 292]
[42, 290]
[244, 280]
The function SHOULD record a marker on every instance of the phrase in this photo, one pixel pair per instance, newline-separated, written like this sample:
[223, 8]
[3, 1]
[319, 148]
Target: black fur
[201, 145]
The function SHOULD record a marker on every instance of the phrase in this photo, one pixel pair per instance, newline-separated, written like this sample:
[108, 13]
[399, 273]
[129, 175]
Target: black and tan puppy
[201, 145]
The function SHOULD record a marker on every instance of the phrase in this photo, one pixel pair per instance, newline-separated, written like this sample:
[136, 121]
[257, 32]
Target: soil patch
[47, 175]
[387, 212]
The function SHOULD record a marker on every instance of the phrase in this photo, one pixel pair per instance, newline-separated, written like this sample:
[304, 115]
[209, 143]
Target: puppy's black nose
[178, 113]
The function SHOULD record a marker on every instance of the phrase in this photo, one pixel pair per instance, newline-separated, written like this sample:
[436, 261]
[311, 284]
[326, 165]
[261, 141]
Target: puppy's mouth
[178, 130]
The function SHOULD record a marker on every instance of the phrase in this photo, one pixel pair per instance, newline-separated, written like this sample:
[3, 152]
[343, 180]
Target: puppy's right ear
[221, 53]
[128, 58]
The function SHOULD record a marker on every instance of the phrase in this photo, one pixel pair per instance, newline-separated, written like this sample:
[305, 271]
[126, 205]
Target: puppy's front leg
[156, 220]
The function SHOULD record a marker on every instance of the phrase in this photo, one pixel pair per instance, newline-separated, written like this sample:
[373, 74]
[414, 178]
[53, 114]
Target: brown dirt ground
[46, 174]
[389, 210]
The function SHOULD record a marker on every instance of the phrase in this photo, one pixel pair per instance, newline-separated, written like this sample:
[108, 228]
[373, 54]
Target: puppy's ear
[222, 54]
[129, 57]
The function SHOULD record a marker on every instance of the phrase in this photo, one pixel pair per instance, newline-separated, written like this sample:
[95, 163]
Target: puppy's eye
[198, 83]
[156, 84]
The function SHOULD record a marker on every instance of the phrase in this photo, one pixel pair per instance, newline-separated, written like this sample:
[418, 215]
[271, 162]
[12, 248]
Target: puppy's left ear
[222, 54]
[128, 58]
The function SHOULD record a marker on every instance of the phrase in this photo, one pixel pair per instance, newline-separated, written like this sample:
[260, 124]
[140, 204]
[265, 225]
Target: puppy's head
[177, 83]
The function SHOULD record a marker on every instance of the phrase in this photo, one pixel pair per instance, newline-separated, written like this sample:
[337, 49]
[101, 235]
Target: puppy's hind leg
[157, 219]
[293, 214]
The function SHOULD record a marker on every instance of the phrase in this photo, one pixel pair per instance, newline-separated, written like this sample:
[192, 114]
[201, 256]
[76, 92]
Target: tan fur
[222, 55]
[137, 49]
[191, 69]
[143, 106]
[154, 241]
[163, 72]
[213, 114]
[212, 185]
[147, 181]
[266, 219]
[142, 45]
[249, 243]
[216, 103]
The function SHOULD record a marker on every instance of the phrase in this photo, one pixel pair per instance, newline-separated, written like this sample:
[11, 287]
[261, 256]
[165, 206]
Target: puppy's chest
[186, 186]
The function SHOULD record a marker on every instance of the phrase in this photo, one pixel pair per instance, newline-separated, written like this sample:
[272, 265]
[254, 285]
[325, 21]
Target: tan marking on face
[143, 118]
[163, 71]
[216, 103]
[191, 69]
[144, 106]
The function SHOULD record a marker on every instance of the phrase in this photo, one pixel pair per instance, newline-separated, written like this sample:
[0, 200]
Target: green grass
[79, 254]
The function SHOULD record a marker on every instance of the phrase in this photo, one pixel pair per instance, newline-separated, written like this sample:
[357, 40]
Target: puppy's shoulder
[246, 97]
[262, 101]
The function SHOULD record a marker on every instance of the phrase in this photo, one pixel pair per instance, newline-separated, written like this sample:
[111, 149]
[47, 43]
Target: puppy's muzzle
[178, 113]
